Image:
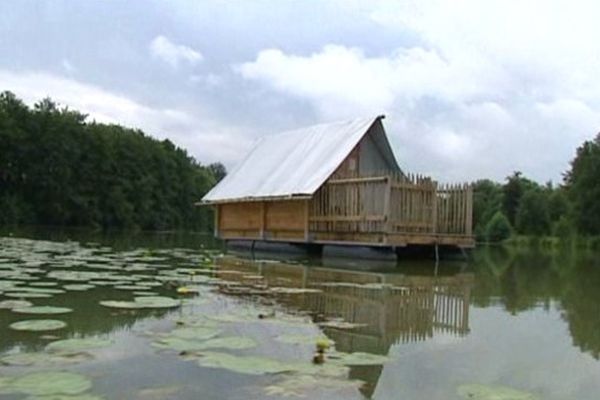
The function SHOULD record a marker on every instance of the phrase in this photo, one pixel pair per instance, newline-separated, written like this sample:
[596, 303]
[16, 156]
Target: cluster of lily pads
[57, 353]
[207, 341]
[32, 271]
[52, 384]
[49, 385]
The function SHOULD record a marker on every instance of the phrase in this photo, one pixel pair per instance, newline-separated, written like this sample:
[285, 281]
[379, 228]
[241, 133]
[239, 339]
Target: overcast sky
[471, 89]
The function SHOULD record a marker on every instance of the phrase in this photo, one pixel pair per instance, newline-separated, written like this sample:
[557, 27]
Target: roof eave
[254, 199]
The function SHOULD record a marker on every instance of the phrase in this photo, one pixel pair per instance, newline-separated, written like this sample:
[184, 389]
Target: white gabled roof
[291, 164]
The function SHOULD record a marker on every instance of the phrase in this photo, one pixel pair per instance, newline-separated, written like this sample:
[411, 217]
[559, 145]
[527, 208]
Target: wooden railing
[392, 204]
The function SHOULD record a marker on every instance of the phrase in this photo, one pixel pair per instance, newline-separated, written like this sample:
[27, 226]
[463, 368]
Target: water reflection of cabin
[337, 184]
[390, 308]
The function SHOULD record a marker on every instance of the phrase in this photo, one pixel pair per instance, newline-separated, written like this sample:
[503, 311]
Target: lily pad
[36, 325]
[78, 287]
[77, 345]
[157, 302]
[130, 287]
[143, 302]
[478, 391]
[120, 304]
[10, 304]
[42, 310]
[254, 365]
[27, 295]
[251, 365]
[230, 343]
[43, 359]
[43, 284]
[358, 358]
[40, 290]
[304, 339]
[298, 386]
[66, 397]
[144, 293]
[51, 383]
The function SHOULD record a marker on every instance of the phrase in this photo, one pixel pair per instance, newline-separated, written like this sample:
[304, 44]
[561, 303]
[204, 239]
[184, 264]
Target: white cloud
[172, 53]
[203, 137]
[482, 89]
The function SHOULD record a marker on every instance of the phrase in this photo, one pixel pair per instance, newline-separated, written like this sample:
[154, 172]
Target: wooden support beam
[217, 220]
[263, 217]
[365, 179]
[387, 215]
[469, 216]
[347, 218]
[307, 220]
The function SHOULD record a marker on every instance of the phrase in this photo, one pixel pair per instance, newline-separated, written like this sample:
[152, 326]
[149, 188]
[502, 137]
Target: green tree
[516, 185]
[558, 204]
[532, 216]
[498, 228]
[58, 169]
[218, 170]
[487, 200]
[583, 187]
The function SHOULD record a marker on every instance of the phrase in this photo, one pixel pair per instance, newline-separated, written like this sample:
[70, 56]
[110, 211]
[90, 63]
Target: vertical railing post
[307, 220]
[469, 216]
[387, 206]
[217, 220]
[434, 213]
[263, 217]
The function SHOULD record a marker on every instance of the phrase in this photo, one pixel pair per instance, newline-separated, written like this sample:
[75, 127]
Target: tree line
[56, 168]
[524, 207]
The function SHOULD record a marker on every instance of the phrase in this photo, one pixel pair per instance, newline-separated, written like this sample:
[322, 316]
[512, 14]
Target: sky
[470, 88]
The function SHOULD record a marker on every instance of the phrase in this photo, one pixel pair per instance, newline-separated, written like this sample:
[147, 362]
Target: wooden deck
[381, 210]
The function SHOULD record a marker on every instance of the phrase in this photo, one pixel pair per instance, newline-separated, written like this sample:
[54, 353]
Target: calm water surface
[519, 324]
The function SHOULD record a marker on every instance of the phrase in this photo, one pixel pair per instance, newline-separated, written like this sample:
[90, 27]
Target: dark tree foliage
[57, 169]
[516, 185]
[537, 209]
[533, 217]
[218, 170]
[583, 185]
[487, 200]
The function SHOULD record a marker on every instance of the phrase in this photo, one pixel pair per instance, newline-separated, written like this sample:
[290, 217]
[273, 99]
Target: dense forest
[58, 169]
[523, 207]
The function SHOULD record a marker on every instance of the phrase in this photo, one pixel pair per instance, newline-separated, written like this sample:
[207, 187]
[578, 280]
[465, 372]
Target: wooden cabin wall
[286, 219]
[239, 220]
[366, 159]
[350, 166]
[371, 157]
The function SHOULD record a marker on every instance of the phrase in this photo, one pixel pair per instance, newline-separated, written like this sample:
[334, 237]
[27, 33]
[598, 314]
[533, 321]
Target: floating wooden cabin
[337, 184]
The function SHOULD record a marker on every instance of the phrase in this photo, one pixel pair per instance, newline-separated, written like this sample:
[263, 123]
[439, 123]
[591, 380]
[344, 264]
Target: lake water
[518, 324]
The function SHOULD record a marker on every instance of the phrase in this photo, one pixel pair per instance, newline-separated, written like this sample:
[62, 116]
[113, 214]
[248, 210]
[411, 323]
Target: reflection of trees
[518, 280]
[391, 308]
[581, 305]
[523, 279]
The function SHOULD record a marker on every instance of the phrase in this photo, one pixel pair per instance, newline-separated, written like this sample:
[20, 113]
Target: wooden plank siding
[262, 220]
[396, 210]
